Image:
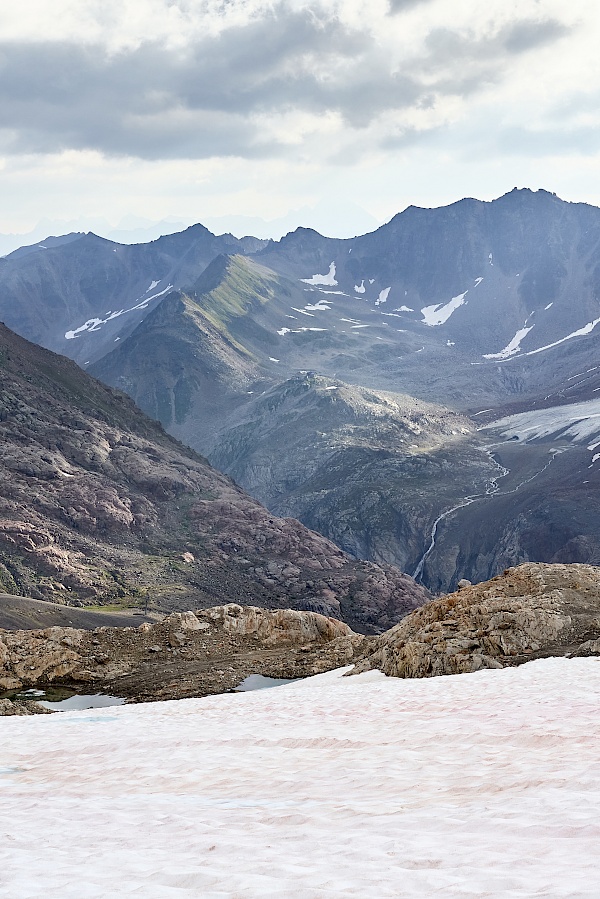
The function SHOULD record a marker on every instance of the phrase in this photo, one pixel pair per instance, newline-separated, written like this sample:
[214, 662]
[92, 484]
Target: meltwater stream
[491, 490]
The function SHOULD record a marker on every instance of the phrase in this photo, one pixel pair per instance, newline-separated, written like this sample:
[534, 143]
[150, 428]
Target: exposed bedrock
[186, 654]
[531, 611]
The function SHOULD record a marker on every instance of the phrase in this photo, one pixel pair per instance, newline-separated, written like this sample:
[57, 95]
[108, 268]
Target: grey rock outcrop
[531, 611]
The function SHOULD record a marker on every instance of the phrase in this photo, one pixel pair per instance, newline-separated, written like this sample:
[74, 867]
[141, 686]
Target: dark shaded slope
[21, 613]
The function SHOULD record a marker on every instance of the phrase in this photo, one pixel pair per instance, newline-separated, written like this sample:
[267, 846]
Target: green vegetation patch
[244, 286]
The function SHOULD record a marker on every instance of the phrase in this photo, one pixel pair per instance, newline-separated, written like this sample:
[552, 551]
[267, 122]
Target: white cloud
[204, 107]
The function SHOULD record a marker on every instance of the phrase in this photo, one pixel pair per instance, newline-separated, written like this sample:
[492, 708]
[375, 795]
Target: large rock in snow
[531, 611]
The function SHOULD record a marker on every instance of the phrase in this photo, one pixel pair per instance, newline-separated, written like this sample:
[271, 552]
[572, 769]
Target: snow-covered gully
[469, 786]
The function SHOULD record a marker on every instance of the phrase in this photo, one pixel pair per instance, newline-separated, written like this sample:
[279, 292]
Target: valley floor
[476, 785]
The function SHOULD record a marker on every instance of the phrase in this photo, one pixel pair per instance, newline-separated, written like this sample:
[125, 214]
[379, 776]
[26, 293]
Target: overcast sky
[207, 109]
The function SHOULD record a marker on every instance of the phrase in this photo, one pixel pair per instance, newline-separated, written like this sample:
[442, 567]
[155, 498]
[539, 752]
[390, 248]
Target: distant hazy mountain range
[354, 383]
[344, 221]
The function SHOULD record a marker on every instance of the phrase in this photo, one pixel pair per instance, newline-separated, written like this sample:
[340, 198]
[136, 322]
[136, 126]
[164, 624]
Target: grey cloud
[205, 100]
[523, 36]
[401, 5]
[445, 45]
[558, 141]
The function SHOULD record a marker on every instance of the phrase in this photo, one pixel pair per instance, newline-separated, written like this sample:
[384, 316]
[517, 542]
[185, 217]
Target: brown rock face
[98, 505]
[186, 654]
[531, 611]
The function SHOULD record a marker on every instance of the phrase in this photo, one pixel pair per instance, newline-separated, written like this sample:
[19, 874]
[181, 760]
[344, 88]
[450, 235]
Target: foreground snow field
[483, 784]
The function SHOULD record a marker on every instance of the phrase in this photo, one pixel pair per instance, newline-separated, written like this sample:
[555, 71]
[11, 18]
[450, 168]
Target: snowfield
[577, 422]
[477, 785]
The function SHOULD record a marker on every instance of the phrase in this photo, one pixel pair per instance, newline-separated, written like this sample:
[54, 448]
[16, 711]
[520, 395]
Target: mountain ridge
[481, 307]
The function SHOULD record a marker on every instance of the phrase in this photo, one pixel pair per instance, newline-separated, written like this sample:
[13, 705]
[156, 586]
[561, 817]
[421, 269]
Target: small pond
[259, 682]
[63, 699]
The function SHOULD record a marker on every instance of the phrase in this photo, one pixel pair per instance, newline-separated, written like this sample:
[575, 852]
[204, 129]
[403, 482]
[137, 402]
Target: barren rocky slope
[529, 612]
[99, 504]
[370, 470]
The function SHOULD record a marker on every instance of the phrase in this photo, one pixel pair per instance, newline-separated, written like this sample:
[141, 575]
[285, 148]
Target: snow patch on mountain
[321, 306]
[438, 314]
[581, 332]
[362, 287]
[285, 331]
[337, 293]
[577, 422]
[94, 324]
[514, 345]
[382, 298]
[328, 279]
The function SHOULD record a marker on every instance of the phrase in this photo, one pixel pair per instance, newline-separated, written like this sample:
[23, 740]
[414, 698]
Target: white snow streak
[512, 347]
[337, 293]
[382, 298]
[362, 287]
[321, 306]
[587, 329]
[94, 324]
[285, 331]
